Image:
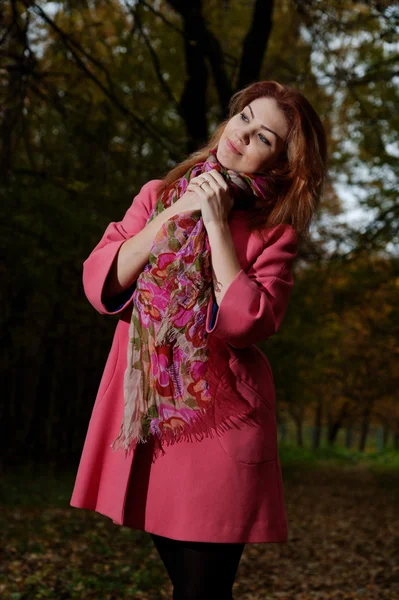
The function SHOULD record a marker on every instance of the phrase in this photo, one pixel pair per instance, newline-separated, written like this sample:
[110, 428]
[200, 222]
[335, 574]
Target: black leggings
[199, 570]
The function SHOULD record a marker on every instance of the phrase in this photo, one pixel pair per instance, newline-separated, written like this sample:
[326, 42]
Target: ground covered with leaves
[343, 543]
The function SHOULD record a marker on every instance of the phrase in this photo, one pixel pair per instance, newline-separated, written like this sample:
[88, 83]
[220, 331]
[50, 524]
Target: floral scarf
[166, 391]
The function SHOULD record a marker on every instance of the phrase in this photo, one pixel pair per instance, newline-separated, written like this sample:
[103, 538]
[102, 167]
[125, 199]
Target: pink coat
[221, 489]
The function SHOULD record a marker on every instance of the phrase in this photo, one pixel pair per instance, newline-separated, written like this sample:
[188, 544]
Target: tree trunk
[299, 432]
[337, 424]
[193, 100]
[348, 437]
[317, 425]
[201, 44]
[364, 430]
[17, 65]
[283, 432]
[385, 434]
[255, 43]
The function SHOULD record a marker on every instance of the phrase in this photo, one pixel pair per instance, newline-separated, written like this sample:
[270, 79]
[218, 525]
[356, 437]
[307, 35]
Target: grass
[338, 456]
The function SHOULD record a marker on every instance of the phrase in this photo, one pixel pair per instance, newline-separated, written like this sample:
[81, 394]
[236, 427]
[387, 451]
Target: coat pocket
[253, 439]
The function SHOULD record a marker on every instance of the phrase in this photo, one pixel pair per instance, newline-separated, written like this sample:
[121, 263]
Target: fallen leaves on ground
[343, 545]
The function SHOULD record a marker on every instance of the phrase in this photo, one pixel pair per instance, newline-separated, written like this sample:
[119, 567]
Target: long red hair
[296, 179]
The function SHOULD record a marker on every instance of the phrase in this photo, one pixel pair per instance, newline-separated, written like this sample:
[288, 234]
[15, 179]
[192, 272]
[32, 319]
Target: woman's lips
[231, 147]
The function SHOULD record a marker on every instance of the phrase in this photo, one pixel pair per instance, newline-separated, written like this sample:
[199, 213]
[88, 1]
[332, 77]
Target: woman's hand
[213, 191]
[188, 202]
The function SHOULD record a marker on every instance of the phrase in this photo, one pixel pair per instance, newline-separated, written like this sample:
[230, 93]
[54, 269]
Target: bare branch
[162, 17]
[155, 61]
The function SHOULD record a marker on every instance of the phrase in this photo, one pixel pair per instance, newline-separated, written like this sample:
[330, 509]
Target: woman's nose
[242, 136]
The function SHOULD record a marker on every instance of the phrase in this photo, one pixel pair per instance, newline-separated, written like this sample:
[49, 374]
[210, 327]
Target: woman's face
[253, 139]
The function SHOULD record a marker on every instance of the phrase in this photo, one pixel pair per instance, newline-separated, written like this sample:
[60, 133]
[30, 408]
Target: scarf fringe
[191, 435]
[194, 432]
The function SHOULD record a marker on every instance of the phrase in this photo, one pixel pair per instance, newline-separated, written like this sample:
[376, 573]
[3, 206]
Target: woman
[182, 442]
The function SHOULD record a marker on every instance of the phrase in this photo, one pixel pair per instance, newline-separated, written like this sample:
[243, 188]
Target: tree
[97, 98]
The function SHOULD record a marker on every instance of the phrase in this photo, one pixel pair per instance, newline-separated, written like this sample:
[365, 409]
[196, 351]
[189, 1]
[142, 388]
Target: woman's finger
[210, 184]
[204, 183]
[193, 185]
[214, 183]
[200, 192]
[218, 177]
[198, 179]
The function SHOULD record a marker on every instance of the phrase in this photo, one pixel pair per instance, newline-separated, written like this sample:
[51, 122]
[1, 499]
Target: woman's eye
[264, 140]
[261, 137]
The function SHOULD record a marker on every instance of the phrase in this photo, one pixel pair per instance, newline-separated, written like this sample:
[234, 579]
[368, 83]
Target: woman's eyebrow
[263, 126]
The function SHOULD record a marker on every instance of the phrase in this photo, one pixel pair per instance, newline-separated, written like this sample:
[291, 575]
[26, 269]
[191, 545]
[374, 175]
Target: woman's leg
[171, 554]
[200, 570]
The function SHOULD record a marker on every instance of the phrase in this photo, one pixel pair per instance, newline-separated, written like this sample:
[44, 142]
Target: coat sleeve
[97, 266]
[255, 302]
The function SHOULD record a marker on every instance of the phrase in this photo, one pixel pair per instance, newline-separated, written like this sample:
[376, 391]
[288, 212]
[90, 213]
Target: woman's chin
[224, 160]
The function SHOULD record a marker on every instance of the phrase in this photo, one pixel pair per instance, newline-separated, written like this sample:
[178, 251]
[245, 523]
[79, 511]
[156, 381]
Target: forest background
[96, 98]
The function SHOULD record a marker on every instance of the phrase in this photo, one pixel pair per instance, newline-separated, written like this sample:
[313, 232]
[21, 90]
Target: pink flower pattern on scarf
[166, 389]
